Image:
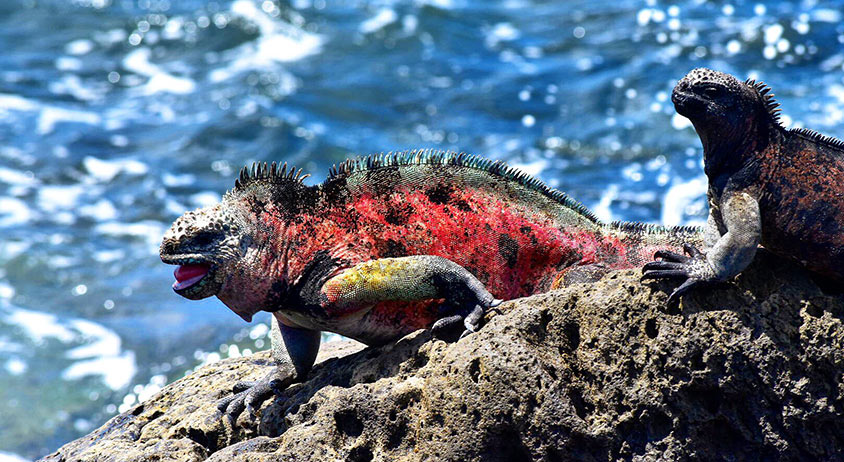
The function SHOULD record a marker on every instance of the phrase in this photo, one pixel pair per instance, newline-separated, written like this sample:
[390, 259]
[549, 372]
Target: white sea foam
[501, 32]
[383, 18]
[100, 353]
[826, 15]
[204, 199]
[679, 122]
[11, 457]
[14, 212]
[602, 209]
[10, 249]
[106, 170]
[6, 290]
[117, 371]
[17, 103]
[15, 366]
[79, 47]
[10, 347]
[174, 208]
[38, 326]
[9, 176]
[51, 115]
[171, 180]
[145, 392]
[72, 85]
[150, 231]
[277, 42]
[682, 199]
[159, 81]
[101, 210]
[532, 168]
[53, 198]
[106, 256]
[68, 63]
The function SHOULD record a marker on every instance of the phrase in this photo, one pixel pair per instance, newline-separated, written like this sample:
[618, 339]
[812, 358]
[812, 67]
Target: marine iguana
[387, 245]
[781, 188]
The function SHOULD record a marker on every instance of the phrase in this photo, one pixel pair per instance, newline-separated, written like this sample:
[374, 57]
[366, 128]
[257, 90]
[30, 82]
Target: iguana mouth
[189, 275]
[687, 104]
[194, 278]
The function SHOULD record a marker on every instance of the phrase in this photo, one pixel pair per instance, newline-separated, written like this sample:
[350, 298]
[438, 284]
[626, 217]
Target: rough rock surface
[752, 370]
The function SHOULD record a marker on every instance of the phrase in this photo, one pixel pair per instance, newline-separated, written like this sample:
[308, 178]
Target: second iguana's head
[725, 111]
[228, 249]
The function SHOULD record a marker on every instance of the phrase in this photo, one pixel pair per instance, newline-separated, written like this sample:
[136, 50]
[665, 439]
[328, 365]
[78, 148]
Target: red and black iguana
[387, 245]
[783, 189]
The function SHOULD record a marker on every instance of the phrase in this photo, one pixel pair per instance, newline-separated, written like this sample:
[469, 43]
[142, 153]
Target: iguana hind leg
[413, 278]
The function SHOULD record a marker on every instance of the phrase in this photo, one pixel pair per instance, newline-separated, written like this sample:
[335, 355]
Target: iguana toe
[692, 268]
[473, 320]
[689, 284]
[247, 396]
[443, 326]
[667, 255]
[233, 406]
[469, 319]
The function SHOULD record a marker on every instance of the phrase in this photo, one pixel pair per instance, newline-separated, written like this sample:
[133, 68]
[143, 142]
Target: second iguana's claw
[692, 268]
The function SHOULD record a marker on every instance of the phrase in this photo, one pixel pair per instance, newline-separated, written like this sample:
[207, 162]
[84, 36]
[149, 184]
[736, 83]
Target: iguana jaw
[688, 104]
[196, 277]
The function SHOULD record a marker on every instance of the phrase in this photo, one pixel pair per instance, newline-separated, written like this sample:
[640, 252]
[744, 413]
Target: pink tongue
[188, 275]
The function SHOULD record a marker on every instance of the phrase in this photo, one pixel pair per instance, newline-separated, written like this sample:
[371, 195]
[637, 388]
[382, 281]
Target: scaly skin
[783, 189]
[388, 245]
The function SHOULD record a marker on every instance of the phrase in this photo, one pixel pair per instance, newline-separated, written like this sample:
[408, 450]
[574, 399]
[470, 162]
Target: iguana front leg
[728, 256]
[294, 351]
[413, 278]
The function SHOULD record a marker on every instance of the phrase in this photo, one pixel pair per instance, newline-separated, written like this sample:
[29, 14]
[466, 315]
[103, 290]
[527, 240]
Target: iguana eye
[203, 239]
[713, 91]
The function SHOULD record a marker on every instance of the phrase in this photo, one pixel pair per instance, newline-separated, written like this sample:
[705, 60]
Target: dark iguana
[387, 245]
[783, 189]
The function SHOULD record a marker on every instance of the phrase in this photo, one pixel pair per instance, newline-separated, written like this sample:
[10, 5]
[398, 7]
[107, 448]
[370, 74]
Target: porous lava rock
[750, 370]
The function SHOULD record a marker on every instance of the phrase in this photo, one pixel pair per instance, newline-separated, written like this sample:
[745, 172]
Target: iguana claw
[671, 265]
[248, 395]
[471, 320]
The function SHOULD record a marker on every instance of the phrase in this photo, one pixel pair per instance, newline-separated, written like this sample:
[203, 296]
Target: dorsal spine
[462, 159]
[773, 108]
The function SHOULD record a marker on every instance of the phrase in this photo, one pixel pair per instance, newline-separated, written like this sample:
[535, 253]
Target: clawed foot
[467, 314]
[248, 396]
[693, 268]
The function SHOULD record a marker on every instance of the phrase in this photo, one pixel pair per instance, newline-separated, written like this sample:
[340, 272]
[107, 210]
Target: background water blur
[118, 115]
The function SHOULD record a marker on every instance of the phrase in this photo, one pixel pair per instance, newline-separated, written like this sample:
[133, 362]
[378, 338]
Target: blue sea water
[116, 116]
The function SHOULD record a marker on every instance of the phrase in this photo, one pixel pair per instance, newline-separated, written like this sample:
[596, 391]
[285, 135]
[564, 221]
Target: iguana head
[206, 244]
[234, 249]
[726, 113]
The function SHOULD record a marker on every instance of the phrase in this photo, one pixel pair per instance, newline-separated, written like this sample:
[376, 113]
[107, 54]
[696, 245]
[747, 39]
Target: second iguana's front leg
[728, 256]
[413, 278]
[294, 351]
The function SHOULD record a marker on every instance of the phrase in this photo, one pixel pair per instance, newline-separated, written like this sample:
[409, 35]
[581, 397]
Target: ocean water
[116, 116]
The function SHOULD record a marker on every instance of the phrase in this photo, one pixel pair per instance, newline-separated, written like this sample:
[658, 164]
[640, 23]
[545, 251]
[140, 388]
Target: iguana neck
[727, 153]
[261, 279]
